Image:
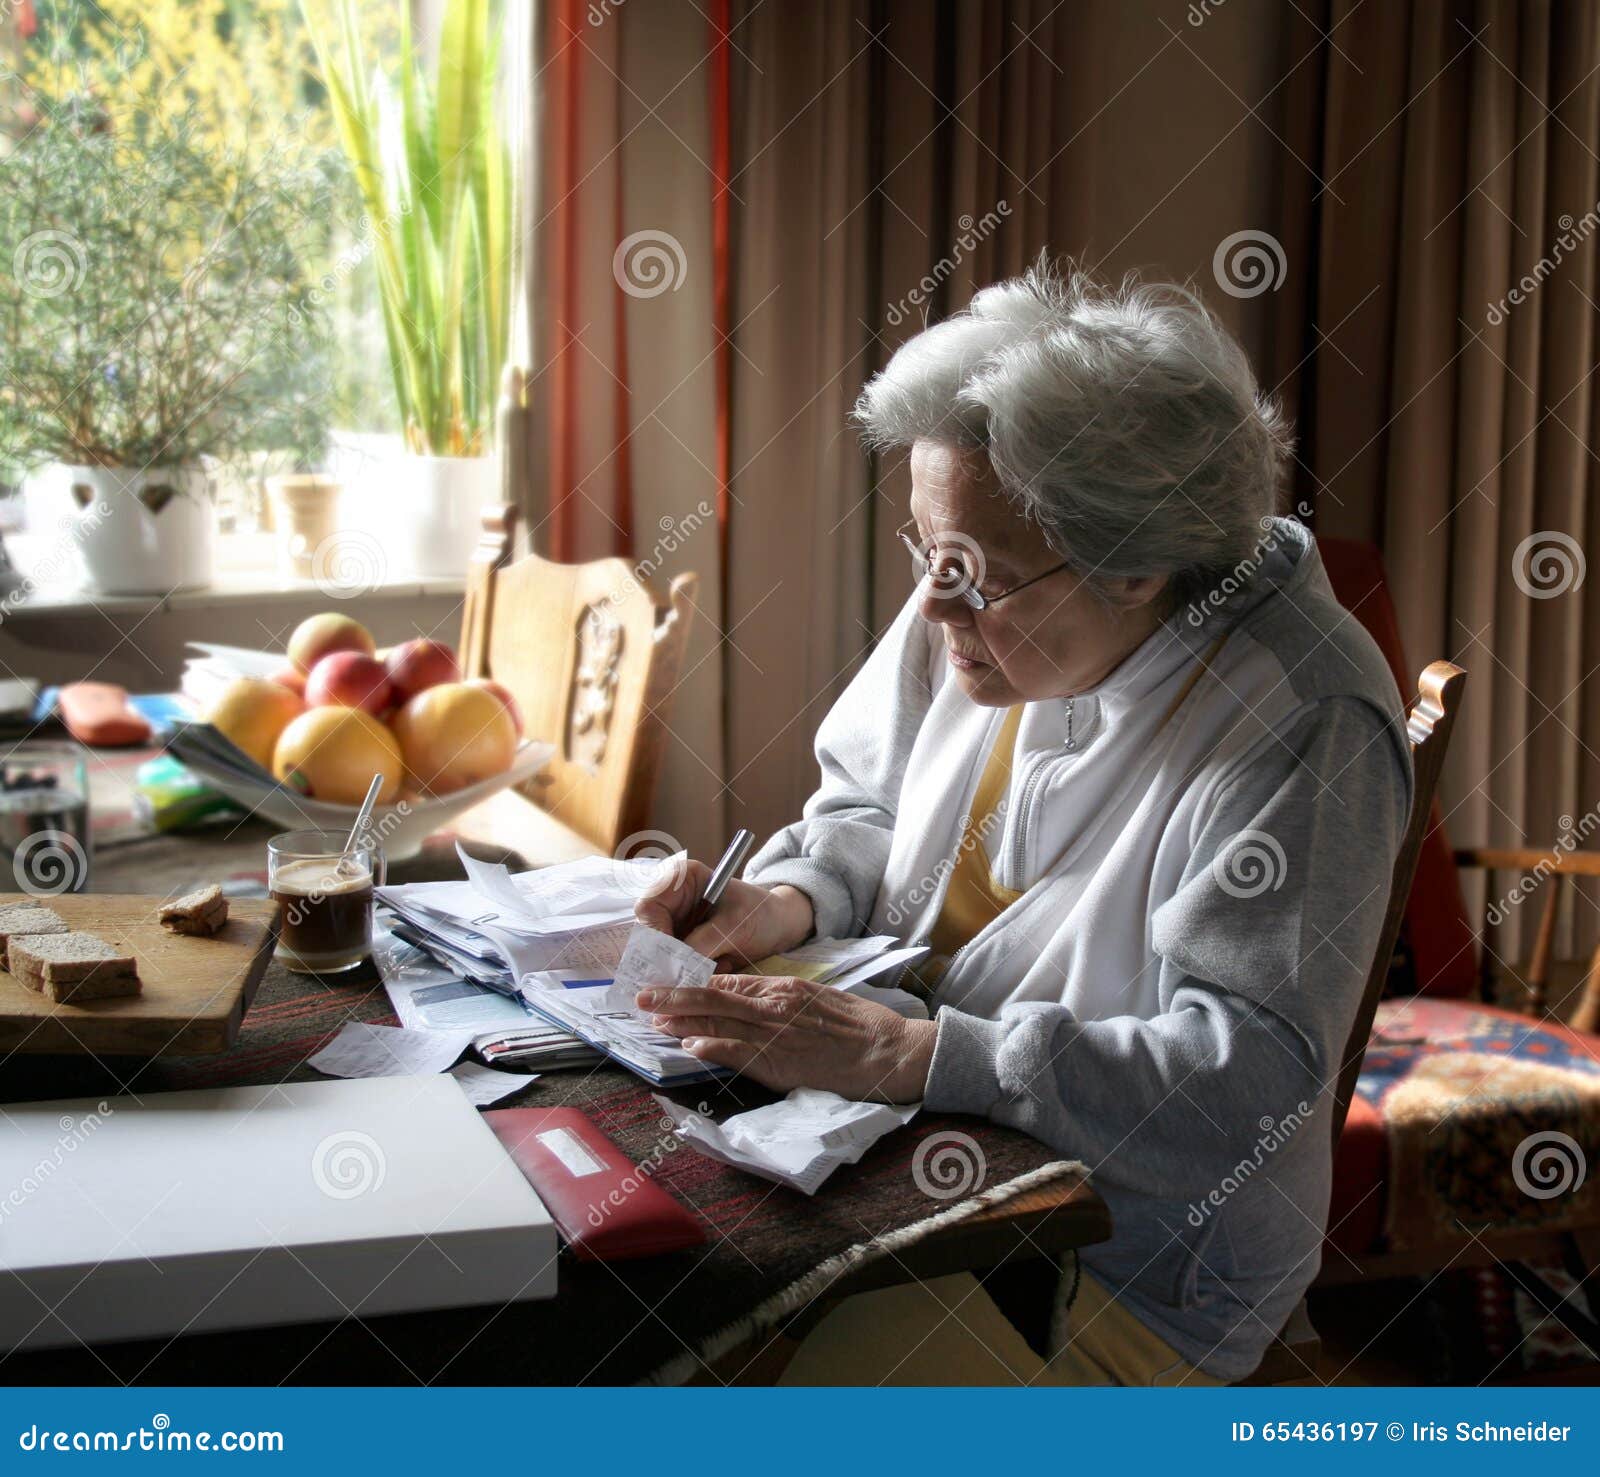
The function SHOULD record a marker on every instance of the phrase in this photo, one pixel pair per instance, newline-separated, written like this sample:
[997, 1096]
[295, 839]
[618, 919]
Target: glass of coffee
[326, 895]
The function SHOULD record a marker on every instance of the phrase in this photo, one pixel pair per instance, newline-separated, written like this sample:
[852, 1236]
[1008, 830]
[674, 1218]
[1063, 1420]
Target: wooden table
[291, 1016]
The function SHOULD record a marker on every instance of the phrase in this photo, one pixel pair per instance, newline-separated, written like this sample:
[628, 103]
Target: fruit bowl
[400, 828]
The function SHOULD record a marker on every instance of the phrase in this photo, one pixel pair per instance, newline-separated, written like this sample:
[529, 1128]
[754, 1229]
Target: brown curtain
[1447, 410]
[886, 158]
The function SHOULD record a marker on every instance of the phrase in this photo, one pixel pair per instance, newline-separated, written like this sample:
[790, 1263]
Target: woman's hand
[747, 925]
[786, 1033]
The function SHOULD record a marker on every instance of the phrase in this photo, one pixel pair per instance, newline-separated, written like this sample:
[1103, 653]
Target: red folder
[608, 1210]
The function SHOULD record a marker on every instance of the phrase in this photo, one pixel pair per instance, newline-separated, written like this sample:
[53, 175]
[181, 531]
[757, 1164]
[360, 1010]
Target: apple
[318, 636]
[501, 691]
[290, 677]
[347, 679]
[415, 666]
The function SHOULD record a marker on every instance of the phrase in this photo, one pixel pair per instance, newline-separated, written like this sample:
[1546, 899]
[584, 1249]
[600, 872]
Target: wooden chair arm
[1527, 859]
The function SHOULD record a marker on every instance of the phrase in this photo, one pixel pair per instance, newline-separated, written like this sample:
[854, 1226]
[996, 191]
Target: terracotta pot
[305, 509]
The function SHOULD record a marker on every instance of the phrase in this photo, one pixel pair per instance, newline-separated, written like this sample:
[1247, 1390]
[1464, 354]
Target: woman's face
[1053, 639]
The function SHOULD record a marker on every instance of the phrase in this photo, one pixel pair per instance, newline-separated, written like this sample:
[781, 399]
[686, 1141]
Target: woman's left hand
[785, 1032]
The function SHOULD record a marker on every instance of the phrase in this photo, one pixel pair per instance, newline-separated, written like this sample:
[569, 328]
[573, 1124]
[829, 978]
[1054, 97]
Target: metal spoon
[362, 817]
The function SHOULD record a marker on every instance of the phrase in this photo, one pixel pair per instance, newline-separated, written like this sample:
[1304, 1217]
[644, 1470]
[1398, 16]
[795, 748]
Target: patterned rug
[770, 1251]
[1492, 1120]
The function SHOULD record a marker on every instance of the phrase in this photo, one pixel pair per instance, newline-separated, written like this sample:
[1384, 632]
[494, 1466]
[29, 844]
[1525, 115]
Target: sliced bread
[202, 911]
[52, 962]
[26, 918]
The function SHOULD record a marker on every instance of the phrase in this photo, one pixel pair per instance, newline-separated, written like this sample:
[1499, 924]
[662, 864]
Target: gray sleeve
[837, 853]
[1264, 950]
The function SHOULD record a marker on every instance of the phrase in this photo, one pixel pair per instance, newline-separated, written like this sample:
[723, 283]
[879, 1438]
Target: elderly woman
[1138, 780]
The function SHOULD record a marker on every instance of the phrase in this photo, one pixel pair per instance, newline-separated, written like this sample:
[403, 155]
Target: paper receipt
[655, 958]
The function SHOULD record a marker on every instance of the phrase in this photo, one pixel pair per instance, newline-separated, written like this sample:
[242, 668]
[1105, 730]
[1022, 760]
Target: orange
[332, 754]
[454, 735]
[253, 712]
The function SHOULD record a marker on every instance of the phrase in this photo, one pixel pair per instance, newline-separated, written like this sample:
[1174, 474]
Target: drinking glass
[327, 904]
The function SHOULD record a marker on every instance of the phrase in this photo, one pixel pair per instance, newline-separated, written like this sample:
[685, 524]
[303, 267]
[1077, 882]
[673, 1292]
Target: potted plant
[154, 323]
[434, 172]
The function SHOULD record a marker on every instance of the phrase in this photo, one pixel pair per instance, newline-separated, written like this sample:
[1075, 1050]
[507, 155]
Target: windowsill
[247, 570]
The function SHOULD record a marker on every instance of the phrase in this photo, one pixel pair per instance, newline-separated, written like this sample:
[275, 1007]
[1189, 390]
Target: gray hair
[1125, 422]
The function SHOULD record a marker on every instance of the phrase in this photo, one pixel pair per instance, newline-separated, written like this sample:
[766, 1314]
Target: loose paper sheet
[485, 1085]
[798, 1142]
[360, 1050]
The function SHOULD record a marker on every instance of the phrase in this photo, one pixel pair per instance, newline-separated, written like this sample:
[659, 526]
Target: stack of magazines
[526, 962]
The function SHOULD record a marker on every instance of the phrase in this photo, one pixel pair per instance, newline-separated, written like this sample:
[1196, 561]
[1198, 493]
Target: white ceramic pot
[441, 500]
[143, 532]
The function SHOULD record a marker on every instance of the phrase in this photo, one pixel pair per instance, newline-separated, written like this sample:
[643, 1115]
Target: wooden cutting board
[196, 989]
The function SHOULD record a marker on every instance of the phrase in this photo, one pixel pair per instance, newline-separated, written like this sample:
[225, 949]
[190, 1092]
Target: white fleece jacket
[1170, 997]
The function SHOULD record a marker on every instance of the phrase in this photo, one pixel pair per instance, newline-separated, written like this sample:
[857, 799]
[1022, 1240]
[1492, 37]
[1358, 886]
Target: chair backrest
[1439, 930]
[592, 655]
[1431, 719]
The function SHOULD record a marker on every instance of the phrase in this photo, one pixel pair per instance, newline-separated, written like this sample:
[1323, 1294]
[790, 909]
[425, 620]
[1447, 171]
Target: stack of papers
[543, 967]
[432, 997]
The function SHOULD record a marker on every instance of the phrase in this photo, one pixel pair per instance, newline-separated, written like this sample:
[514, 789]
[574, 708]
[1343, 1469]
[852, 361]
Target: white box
[244, 1206]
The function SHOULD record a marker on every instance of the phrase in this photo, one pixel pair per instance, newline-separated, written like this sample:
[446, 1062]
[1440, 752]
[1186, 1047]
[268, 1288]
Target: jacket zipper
[1019, 844]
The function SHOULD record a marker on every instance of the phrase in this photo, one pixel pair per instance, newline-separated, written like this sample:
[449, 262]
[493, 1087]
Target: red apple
[290, 677]
[318, 636]
[415, 666]
[501, 691]
[348, 679]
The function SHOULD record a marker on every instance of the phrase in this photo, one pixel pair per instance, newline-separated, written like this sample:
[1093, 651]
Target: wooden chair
[1293, 1355]
[592, 655]
[1449, 963]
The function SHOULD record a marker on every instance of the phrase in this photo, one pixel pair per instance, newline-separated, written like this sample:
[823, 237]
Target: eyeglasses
[957, 579]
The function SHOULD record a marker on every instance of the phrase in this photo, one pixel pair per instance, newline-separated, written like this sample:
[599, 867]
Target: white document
[430, 996]
[360, 1050]
[798, 1142]
[592, 885]
[485, 1086]
[655, 958]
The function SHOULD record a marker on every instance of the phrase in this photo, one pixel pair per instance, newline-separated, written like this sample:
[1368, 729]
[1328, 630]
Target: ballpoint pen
[732, 859]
